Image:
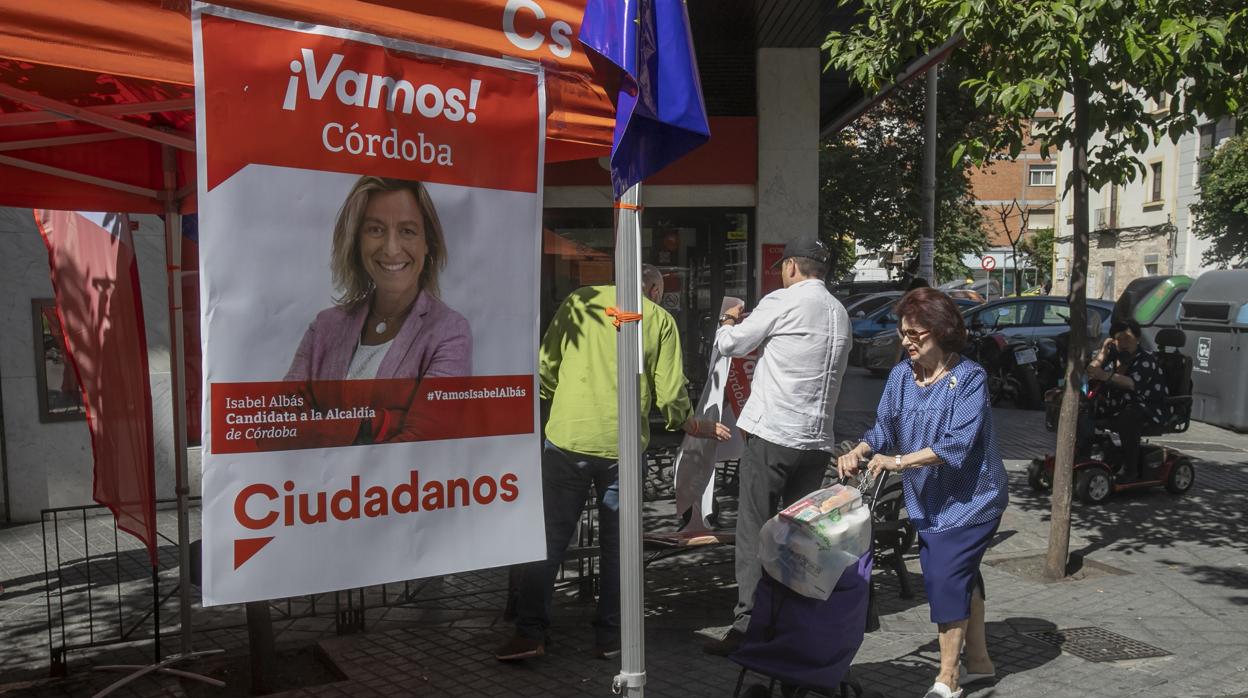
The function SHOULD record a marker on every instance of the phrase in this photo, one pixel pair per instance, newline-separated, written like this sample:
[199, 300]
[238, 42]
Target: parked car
[881, 350]
[869, 324]
[989, 288]
[967, 294]
[851, 299]
[848, 287]
[1042, 322]
[867, 304]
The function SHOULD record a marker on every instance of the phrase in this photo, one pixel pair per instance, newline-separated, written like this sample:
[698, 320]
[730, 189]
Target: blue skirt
[950, 561]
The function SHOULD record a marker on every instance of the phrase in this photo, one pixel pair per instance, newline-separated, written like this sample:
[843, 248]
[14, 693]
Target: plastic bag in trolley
[807, 546]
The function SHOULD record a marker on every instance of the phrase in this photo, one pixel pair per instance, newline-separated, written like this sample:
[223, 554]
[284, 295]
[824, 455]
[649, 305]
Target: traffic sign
[988, 263]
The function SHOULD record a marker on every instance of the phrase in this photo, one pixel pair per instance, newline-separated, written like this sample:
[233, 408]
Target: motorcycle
[1010, 366]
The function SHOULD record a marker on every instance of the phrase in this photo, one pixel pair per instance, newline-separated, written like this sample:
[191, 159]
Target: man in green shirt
[578, 380]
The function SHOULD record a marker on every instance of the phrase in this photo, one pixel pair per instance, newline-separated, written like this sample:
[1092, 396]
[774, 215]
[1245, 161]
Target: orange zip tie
[621, 316]
[628, 207]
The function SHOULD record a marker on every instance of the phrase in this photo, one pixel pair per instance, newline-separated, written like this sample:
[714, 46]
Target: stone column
[788, 147]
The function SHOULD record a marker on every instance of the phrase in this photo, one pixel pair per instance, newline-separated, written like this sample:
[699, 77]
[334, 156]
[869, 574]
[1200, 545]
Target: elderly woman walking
[934, 426]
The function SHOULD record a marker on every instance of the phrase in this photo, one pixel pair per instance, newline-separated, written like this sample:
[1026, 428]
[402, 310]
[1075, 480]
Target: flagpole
[632, 677]
[177, 385]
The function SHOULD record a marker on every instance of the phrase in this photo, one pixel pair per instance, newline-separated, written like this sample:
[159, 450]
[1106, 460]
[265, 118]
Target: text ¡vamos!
[353, 88]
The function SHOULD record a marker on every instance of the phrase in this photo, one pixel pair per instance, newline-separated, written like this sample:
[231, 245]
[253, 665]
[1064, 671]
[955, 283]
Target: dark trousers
[566, 478]
[771, 477]
[1129, 424]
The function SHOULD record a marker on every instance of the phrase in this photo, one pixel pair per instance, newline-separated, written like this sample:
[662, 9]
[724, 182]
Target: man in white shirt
[804, 336]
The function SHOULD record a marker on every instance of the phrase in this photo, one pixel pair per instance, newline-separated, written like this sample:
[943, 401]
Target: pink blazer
[434, 341]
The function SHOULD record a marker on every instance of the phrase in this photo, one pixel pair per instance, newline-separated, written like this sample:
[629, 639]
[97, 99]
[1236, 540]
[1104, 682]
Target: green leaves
[959, 152]
[1021, 56]
[870, 174]
[1221, 215]
[1129, 42]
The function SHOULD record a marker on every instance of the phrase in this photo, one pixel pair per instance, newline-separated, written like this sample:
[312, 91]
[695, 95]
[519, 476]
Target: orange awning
[128, 63]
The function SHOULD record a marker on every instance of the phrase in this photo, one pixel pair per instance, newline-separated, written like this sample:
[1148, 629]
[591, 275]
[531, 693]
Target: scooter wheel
[1093, 486]
[1182, 475]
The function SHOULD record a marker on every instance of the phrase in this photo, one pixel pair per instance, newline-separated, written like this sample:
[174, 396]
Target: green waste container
[1154, 302]
[1214, 316]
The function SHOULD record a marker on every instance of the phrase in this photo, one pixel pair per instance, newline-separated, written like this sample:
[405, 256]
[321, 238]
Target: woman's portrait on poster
[388, 321]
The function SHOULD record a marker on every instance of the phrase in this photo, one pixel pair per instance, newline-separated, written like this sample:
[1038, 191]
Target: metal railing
[101, 590]
[78, 581]
[101, 593]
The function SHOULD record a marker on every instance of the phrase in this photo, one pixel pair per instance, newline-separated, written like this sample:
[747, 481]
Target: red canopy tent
[92, 90]
[97, 112]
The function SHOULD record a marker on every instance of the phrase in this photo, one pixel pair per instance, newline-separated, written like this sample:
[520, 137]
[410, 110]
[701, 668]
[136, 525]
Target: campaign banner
[369, 228]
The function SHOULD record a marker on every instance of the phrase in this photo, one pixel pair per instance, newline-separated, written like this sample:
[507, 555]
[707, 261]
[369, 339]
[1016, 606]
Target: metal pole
[632, 677]
[927, 242]
[177, 384]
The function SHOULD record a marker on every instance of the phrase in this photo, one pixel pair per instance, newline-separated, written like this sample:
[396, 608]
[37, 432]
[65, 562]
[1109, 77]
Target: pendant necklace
[383, 323]
[943, 367]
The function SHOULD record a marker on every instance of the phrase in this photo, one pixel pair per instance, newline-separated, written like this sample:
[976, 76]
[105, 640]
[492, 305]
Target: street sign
[988, 263]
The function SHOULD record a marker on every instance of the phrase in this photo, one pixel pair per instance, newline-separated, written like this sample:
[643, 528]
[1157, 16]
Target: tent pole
[632, 677]
[177, 361]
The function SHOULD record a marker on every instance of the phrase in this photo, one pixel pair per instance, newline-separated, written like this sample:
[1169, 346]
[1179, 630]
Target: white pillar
[788, 146]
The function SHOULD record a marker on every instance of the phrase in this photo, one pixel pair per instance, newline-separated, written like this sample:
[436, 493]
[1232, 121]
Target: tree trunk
[262, 649]
[1059, 527]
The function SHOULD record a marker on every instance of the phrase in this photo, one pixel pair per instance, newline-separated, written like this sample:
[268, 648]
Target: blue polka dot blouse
[953, 417]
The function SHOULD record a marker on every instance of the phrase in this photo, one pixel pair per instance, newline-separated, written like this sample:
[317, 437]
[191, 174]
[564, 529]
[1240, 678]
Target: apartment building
[1144, 227]
[1015, 197]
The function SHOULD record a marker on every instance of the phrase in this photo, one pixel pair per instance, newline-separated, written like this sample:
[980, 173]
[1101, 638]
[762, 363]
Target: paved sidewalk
[1171, 572]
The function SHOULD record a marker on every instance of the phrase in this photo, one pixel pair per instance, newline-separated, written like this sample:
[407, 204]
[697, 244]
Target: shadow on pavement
[1153, 520]
[913, 673]
[1222, 577]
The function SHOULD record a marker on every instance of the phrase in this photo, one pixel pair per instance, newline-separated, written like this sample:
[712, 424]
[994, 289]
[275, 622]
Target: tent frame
[51, 110]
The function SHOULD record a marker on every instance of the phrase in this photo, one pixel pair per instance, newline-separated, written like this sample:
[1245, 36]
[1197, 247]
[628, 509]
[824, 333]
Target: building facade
[1144, 227]
[1016, 197]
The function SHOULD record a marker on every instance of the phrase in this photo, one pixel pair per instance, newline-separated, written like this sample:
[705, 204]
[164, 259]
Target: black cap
[809, 247]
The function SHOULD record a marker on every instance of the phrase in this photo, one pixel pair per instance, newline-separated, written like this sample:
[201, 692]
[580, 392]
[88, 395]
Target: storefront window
[704, 254]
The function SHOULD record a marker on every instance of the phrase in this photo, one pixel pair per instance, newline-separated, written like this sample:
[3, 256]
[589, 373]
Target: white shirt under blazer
[805, 337]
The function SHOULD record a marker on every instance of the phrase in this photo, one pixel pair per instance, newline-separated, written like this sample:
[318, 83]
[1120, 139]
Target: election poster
[369, 220]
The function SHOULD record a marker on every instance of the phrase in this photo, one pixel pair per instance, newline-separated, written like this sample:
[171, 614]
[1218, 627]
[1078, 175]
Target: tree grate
[1098, 644]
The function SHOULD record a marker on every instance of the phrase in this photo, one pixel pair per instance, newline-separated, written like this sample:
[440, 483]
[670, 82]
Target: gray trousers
[771, 477]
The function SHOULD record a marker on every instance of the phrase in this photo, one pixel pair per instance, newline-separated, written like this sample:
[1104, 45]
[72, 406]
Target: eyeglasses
[913, 336]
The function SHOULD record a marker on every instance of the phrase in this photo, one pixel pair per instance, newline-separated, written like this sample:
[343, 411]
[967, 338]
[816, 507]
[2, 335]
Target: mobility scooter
[1098, 459]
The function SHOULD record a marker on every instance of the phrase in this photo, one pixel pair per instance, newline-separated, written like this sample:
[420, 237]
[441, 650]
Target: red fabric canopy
[34, 137]
[115, 64]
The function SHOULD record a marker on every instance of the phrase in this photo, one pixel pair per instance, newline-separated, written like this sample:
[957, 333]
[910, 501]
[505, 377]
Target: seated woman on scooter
[1135, 392]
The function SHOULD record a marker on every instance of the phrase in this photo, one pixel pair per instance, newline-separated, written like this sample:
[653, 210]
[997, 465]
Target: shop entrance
[704, 254]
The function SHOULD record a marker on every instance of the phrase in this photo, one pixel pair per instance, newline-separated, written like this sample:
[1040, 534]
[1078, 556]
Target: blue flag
[645, 46]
